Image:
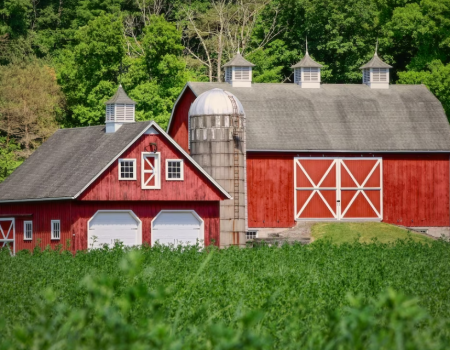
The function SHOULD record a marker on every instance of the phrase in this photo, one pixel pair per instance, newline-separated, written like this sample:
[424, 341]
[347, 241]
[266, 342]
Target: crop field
[319, 296]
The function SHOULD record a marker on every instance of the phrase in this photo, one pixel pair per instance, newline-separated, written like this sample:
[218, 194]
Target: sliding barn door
[338, 188]
[316, 188]
[360, 190]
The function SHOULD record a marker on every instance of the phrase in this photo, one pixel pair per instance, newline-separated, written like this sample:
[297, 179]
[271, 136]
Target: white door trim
[139, 222]
[339, 162]
[4, 236]
[201, 234]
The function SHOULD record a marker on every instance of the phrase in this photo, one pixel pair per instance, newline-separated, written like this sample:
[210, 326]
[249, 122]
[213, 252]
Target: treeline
[60, 59]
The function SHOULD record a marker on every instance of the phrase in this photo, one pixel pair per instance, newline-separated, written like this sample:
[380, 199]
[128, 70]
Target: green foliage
[88, 71]
[321, 296]
[436, 77]
[8, 157]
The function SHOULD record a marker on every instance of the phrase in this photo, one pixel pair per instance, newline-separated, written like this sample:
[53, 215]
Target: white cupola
[307, 72]
[238, 72]
[376, 72]
[120, 109]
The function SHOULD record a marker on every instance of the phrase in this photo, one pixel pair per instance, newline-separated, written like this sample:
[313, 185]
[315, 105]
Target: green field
[364, 232]
[319, 296]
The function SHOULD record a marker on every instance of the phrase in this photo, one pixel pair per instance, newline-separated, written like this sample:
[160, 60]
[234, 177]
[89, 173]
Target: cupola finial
[306, 39]
[376, 48]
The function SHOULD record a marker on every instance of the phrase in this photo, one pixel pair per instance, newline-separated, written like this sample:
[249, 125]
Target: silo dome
[215, 102]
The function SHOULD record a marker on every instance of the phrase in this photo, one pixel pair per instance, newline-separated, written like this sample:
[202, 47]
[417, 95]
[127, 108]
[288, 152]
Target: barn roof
[71, 159]
[340, 117]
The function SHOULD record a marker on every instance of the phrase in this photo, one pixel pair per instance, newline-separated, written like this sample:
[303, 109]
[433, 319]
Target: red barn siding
[179, 126]
[415, 188]
[42, 214]
[74, 216]
[195, 186]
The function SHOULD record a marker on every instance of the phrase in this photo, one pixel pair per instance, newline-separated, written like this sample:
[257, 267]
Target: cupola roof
[375, 62]
[238, 61]
[307, 61]
[120, 97]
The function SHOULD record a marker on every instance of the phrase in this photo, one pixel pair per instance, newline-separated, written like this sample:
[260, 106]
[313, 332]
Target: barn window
[150, 170]
[174, 169]
[28, 230]
[251, 235]
[310, 74]
[242, 73]
[127, 169]
[379, 74]
[56, 229]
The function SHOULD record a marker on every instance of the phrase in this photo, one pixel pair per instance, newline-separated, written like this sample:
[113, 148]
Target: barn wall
[75, 215]
[41, 214]
[179, 126]
[415, 188]
[195, 186]
[146, 211]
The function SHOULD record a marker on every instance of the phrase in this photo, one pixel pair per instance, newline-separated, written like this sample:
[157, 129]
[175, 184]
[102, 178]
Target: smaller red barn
[127, 181]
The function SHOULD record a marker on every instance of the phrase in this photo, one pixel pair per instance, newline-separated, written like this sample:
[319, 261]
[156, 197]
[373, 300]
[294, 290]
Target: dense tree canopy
[165, 43]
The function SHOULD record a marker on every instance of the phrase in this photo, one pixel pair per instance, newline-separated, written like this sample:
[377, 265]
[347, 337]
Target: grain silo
[217, 143]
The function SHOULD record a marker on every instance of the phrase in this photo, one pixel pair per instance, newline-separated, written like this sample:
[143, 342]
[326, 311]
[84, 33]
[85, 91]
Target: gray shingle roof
[341, 117]
[238, 61]
[64, 164]
[120, 97]
[375, 62]
[307, 61]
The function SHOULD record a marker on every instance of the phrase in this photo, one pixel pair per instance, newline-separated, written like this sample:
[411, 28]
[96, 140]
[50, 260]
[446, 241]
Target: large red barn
[313, 151]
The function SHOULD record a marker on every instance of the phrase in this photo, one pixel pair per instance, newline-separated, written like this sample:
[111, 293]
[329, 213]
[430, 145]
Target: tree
[88, 71]
[436, 77]
[9, 159]
[30, 104]
[214, 35]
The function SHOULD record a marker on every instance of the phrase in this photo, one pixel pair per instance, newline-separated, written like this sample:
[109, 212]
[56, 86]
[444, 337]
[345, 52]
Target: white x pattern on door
[8, 234]
[346, 188]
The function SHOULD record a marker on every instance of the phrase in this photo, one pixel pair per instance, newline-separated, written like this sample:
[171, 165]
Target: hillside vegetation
[321, 296]
[61, 60]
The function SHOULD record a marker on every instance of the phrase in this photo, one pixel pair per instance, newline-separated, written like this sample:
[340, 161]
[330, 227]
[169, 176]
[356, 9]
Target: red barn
[314, 151]
[127, 181]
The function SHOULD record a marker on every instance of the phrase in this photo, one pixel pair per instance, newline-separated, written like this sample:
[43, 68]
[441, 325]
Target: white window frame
[157, 171]
[181, 161]
[251, 233]
[53, 236]
[25, 237]
[134, 168]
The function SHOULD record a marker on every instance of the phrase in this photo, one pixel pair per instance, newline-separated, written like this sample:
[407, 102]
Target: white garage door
[177, 228]
[107, 227]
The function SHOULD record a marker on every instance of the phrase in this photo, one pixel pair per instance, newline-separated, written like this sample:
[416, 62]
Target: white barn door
[108, 227]
[177, 227]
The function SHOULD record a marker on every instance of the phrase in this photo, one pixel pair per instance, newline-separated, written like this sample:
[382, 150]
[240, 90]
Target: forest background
[60, 60]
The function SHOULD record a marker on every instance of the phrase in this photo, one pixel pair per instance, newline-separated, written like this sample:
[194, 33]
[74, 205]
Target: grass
[364, 232]
[318, 296]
